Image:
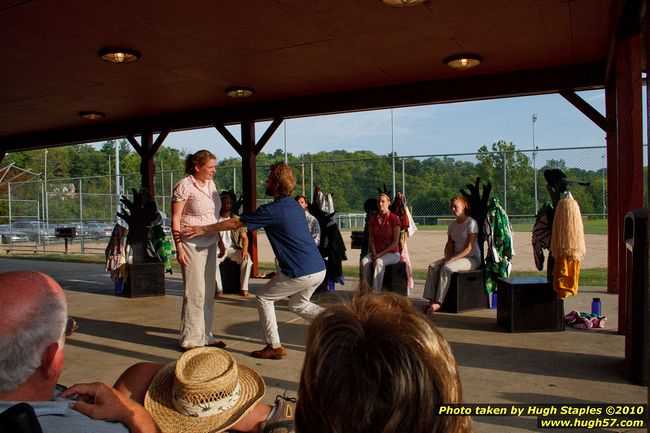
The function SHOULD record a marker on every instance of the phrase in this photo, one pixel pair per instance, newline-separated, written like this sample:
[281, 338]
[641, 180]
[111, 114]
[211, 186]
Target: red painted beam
[629, 157]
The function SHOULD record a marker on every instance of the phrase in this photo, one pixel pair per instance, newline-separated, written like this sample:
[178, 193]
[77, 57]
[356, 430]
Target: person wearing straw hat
[207, 391]
[302, 268]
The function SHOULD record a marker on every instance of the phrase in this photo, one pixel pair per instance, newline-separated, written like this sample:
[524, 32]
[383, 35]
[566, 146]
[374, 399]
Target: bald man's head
[33, 314]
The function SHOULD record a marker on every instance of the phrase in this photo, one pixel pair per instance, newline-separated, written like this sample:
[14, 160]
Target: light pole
[534, 119]
[604, 201]
[46, 202]
[392, 149]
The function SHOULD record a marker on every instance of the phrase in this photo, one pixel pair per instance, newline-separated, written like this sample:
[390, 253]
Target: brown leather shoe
[270, 353]
[220, 344]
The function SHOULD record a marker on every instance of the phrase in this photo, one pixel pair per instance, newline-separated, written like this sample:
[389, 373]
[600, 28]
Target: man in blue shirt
[302, 268]
[33, 328]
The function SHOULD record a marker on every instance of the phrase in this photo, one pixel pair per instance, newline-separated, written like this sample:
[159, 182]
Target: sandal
[245, 293]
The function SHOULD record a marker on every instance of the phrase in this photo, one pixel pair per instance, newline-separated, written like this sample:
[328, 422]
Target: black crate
[466, 292]
[529, 304]
[230, 276]
[356, 238]
[144, 279]
[395, 279]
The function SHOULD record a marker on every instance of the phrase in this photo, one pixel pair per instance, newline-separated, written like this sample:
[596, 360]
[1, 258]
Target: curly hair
[377, 365]
[281, 175]
[197, 159]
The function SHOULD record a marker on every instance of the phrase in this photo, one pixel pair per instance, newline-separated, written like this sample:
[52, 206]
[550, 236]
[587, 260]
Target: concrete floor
[496, 367]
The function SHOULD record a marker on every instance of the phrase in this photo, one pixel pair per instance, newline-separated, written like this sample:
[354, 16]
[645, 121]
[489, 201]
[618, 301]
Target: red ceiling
[287, 50]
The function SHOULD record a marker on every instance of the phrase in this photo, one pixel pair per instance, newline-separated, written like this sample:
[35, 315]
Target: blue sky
[434, 129]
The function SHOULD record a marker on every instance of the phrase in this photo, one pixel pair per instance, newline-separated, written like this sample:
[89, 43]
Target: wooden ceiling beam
[522, 83]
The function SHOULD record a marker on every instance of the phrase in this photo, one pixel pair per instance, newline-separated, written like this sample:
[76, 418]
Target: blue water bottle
[595, 307]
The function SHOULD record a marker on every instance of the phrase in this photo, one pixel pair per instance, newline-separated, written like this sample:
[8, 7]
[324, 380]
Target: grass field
[591, 226]
[588, 277]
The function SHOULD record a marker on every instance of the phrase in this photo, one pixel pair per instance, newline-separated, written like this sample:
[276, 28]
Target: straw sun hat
[204, 391]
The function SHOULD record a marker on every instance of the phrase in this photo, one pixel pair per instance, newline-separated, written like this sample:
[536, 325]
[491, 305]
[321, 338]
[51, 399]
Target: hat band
[208, 408]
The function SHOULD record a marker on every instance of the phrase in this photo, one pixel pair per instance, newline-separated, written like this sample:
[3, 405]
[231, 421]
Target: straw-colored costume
[567, 246]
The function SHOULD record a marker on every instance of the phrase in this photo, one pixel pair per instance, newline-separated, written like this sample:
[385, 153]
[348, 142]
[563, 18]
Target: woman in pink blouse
[196, 202]
[383, 245]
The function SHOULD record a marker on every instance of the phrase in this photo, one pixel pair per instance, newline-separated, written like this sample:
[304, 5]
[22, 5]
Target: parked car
[8, 236]
[99, 230]
[35, 230]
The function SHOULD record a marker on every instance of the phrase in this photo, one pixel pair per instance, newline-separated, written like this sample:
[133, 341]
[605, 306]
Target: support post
[248, 151]
[249, 181]
[629, 113]
[147, 149]
[614, 238]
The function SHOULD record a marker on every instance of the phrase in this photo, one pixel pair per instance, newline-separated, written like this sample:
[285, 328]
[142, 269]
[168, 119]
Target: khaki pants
[439, 277]
[373, 272]
[198, 297]
[299, 291]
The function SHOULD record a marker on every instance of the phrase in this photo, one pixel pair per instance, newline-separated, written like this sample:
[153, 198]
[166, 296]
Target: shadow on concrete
[137, 356]
[540, 362]
[127, 332]
[292, 335]
[472, 323]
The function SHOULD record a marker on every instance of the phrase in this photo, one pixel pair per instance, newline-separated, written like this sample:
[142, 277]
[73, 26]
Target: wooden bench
[466, 292]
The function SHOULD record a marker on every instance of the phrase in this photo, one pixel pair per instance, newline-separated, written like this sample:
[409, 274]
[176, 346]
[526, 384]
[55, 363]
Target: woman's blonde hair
[281, 175]
[377, 365]
[197, 159]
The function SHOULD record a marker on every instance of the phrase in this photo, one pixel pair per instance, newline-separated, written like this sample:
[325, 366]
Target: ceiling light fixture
[400, 3]
[92, 115]
[118, 55]
[463, 61]
[240, 92]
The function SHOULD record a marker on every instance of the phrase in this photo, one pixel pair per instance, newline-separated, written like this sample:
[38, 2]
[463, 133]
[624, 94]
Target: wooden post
[629, 158]
[249, 181]
[248, 151]
[613, 235]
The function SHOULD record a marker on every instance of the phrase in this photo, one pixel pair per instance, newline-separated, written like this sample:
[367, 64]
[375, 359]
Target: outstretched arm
[231, 224]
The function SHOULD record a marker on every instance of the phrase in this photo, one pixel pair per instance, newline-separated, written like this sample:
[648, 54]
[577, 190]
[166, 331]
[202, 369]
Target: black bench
[466, 292]
[230, 273]
[395, 279]
[529, 304]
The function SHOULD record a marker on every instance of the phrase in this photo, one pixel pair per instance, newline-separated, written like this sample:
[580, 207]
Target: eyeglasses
[70, 326]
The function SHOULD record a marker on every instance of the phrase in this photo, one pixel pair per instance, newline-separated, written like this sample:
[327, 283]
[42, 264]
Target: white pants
[373, 272]
[439, 277]
[245, 266]
[299, 291]
[198, 298]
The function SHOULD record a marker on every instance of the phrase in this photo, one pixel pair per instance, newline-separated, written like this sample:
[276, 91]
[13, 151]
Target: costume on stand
[499, 237]
[407, 229]
[567, 246]
[162, 247]
[542, 230]
[116, 256]
[332, 248]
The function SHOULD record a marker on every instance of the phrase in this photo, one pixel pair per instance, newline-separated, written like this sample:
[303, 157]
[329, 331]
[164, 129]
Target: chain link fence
[427, 181]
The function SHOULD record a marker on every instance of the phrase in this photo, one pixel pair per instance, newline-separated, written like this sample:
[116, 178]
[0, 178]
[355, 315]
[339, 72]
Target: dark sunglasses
[70, 326]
